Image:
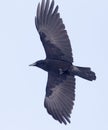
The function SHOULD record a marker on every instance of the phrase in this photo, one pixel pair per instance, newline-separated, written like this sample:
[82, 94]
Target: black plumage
[60, 89]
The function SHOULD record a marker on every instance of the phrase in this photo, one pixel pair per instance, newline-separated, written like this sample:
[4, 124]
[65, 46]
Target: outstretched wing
[60, 94]
[52, 32]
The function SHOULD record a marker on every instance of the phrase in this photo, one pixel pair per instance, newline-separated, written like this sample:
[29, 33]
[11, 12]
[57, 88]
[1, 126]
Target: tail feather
[85, 72]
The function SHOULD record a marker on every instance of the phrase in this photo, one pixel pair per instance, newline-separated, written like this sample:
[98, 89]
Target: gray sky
[22, 88]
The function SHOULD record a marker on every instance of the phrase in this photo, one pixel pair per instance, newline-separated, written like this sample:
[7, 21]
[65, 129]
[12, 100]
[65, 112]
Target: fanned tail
[84, 72]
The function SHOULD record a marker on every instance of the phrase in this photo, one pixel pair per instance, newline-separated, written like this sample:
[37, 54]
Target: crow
[60, 88]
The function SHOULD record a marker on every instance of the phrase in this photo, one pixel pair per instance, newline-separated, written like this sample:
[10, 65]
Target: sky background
[22, 88]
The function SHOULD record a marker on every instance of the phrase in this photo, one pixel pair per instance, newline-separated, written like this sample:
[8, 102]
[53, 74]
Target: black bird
[60, 89]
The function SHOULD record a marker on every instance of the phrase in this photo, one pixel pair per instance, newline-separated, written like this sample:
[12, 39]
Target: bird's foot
[61, 71]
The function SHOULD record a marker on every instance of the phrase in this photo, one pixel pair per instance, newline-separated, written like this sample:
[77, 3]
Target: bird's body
[60, 89]
[52, 65]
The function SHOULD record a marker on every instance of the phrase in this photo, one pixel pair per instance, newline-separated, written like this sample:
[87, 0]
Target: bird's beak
[34, 64]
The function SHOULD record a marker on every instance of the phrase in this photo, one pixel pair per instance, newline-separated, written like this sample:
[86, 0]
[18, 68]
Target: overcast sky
[22, 88]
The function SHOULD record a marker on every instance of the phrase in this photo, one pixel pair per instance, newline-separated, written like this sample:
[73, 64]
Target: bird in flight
[60, 88]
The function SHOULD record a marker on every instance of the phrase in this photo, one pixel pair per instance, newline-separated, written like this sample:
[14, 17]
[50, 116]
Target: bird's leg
[61, 71]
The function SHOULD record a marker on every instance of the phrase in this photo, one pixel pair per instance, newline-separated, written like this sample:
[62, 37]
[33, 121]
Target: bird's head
[41, 64]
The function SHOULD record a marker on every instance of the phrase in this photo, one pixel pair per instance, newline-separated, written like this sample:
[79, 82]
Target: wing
[60, 94]
[52, 32]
